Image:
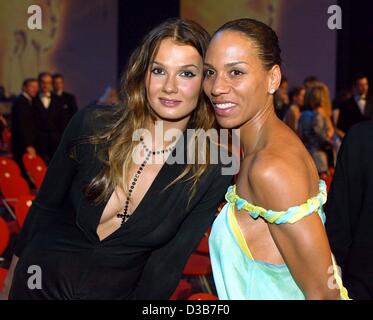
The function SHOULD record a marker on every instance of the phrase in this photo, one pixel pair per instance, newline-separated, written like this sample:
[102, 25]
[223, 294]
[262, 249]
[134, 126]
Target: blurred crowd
[320, 122]
[40, 114]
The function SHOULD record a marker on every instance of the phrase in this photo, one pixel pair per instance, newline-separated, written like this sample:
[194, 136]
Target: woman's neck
[162, 131]
[253, 131]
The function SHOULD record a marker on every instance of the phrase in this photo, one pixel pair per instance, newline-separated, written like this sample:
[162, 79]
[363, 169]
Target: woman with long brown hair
[115, 218]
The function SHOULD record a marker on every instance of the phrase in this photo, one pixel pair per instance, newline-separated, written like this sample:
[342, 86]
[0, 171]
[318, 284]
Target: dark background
[354, 40]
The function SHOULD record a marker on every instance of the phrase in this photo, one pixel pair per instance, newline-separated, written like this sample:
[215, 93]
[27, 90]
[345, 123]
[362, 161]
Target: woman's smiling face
[236, 81]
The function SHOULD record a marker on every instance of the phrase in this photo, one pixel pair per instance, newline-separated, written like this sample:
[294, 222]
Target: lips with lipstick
[169, 102]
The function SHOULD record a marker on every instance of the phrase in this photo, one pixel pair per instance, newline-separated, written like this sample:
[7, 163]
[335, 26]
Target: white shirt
[361, 102]
[45, 99]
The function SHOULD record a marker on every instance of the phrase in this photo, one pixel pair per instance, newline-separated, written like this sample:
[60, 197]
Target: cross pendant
[124, 217]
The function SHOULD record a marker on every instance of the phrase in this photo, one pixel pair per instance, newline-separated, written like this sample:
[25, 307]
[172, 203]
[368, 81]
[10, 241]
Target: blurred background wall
[90, 41]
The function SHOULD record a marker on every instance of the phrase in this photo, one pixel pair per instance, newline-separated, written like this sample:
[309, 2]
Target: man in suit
[69, 105]
[349, 211]
[24, 130]
[357, 108]
[49, 118]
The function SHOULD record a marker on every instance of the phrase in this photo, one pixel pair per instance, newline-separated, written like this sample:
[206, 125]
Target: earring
[271, 91]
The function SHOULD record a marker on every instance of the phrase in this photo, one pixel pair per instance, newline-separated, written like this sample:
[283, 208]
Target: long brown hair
[134, 112]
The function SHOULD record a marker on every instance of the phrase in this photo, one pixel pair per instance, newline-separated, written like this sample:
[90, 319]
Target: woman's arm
[51, 197]
[163, 270]
[303, 245]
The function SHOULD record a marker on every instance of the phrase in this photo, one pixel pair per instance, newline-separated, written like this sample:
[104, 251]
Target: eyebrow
[183, 66]
[230, 64]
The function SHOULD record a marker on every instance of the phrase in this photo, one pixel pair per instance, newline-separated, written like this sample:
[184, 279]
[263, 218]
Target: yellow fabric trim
[338, 279]
[233, 224]
[291, 215]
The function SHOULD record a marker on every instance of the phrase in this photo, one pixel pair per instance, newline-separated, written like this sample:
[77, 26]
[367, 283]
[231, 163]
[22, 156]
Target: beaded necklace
[124, 215]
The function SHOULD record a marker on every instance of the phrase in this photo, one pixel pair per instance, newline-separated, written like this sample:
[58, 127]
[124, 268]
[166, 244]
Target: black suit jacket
[69, 107]
[350, 113]
[349, 211]
[23, 125]
[49, 120]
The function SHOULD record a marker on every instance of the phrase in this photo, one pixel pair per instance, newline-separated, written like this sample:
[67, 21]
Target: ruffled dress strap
[291, 215]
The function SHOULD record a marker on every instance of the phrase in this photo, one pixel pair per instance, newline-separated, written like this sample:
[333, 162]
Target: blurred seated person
[292, 115]
[313, 129]
[358, 108]
[69, 105]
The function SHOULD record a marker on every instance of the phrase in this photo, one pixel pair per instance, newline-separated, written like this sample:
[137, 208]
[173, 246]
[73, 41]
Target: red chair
[33, 162]
[203, 296]
[3, 273]
[203, 246]
[12, 188]
[183, 291]
[4, 235]
[22, 207]
[7, 174]
[199, 266]
[37, 174]
[10, 166]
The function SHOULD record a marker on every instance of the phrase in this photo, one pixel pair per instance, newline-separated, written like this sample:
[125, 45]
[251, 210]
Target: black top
[349, 211]
[141, 260]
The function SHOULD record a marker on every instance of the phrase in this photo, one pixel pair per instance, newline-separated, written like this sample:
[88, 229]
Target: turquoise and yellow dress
[237, 275]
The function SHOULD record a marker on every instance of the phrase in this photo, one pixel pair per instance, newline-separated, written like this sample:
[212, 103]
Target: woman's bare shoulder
[279, 181]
